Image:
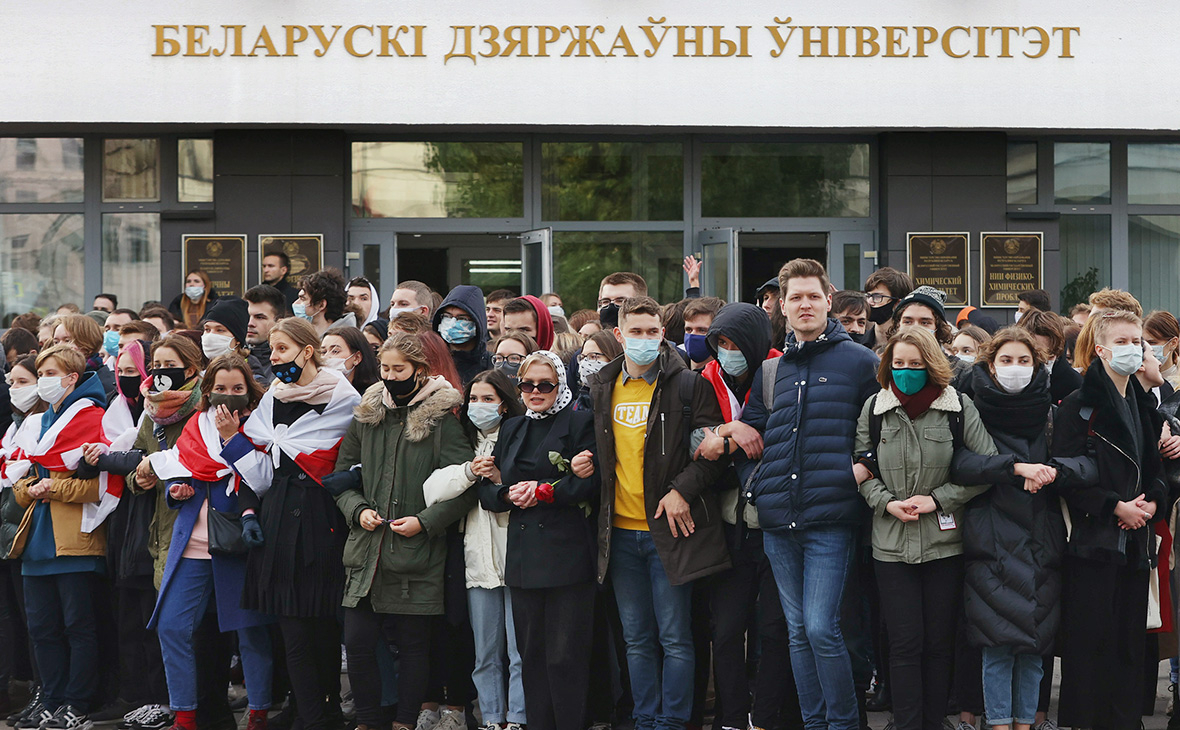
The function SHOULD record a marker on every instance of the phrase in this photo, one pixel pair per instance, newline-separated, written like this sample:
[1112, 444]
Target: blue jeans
[181, 608]
[64, 632]
[811, 567]
[655, 615]
[500, 692]
[1011, 685]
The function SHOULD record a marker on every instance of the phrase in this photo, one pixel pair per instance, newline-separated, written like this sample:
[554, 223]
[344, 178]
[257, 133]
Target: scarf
[317, 392]
[1022, 414]
[564, 396]
[170, 406]
[918, 403]
[197, 454]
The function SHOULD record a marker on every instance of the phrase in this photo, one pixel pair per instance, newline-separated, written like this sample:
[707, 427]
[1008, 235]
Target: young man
[494, 310]
[106, 303]
[265, 305]
[1034, 299]
[804, 490]
[767, 296]
[18, 343]
[321, 299]
[698, 317]
[159, 317]
[411, 296]
[111, 328]
[59, 562]
[883, 289]
[529, 315]
[275, 268]
[1048, 329]
[613, 291]
[461, 322]
[923, 307]
[657, 532]
[1112, 423]
[362, 295]
[851, 310]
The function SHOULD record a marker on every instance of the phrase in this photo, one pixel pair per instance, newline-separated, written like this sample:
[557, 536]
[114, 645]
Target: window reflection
[40, 170]
[1153, 174]
[194, 170]
[131, 256]
[41, 263]
[1154, 242]
[612, 181]
[1081, 172]
[582, 259]
[130, 170]
[1022, 173]
[771, 179]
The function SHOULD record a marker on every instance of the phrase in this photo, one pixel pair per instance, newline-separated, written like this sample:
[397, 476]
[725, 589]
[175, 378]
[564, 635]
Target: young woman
[404, 430]
[85, 335]
[599, 349]
[189, 307]
[967, 344]
[1048, 331]
[288, 445]
[1013, 534]
[509, 351]
[375, 334]
[553, 597]
[59, 561]
[1161, 331]
[911, 427]
[1111, 422]
[209, 542]
[490, 400]
[345, 349]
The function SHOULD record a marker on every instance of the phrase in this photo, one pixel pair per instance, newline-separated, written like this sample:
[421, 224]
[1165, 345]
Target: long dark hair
[503, 387]
[367, 371]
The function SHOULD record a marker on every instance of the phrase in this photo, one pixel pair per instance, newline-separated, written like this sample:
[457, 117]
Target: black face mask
[858, 337]
[288, 372]
[237, 403]
[129, 386]
[609, 316]
[511, 370]
[400, 390]
[168, 379]
[881, 314]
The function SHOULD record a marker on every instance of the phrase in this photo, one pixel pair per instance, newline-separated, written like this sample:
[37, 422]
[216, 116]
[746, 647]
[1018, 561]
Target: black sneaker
[68, 717]
[35, 717]
[153, 717]
[34, 700]
[112, 712]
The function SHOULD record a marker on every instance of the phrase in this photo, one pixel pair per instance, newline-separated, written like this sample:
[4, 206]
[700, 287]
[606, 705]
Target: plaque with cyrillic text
[941, 260]
[305, 250]
[1010, 263]
[222, 257]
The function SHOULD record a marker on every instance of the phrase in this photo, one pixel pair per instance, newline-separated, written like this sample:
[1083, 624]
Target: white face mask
[337, 363]
[215, 345]
[1018, 315]
[51, 390]
[969, 359]
[23, 398]
[587, 368]
[194, 292]
[1014, 378]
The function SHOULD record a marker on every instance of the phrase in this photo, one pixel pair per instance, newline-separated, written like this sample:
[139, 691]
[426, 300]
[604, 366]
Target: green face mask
[237, 403]
[909, 380]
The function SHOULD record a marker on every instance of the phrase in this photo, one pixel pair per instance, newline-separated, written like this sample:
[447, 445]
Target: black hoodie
[472, 362]
[749, 328]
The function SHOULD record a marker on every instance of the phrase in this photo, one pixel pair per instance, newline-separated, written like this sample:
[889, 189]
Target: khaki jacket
[66, 498]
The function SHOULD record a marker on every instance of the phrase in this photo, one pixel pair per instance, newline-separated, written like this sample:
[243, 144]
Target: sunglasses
[544, 388]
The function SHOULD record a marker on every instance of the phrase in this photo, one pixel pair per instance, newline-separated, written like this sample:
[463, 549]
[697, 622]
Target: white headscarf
[374, 306]
[564, 395]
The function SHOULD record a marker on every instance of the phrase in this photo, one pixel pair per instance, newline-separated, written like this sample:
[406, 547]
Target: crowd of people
[486, 512]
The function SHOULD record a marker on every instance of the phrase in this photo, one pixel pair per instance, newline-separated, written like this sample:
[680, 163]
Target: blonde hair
[1115, 299]
[410, 347]
[1103, 322]
[537, 359]
[302, 334]
[68, 357]
[938, 370]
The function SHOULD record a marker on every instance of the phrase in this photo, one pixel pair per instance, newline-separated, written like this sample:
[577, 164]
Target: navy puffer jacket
[805, 478]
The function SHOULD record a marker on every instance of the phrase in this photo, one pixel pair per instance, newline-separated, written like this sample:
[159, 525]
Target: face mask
[586, 368]
[110, 342]
[484, 415]
[609, 316]
[51, 390]
[401, 388]
[694, 345]
[168, 379]
[1125, 359]
[858, 337]
[881, 314]
[733, 362]
[909, 380]
[557, 311]
[194, 292]
[511, 370]
[23, 399]
[288, 372]
[456, 331]
[337, 363]
[1018, 315]
[237, 403]
[1159, 352]
[1014, 378]
[969, 359]
[129, 386]
[299, 309]
[1050, 363]
[213, 344]
[642, 352]
[394, 311]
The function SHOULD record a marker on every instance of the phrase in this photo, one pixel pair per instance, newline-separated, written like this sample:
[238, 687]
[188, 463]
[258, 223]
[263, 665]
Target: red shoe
[257, 720]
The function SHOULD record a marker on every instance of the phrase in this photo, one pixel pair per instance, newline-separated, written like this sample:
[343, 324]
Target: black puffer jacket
[1014, 540]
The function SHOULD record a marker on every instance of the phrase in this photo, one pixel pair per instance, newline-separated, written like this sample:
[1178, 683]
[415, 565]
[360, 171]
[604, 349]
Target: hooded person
[545, 331]
[233, 316]
[460, 320]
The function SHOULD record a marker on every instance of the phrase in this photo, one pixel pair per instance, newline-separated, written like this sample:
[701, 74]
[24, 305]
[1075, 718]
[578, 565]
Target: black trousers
[452, 656]
[740, 633]
[968, 689]
[553, 631]
[313, 664]
[1103, 622]
[141, 668]
[920, 605]
[363, 629]
[16, 655]
[610, 686]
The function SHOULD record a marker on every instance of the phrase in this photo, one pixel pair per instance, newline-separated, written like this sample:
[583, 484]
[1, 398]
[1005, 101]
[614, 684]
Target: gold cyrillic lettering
[351, 47]
[1043, 41]
[946, 41]
[583, 40]
[822, 41]
[296, 34]
[196, 40]
[981, 41]
[925, 36]
[1065, 51]
[623, 42]
[324, 40]
[697, 40]
[493, 44]
[521, 42]
[390, 42]
[455, 44]
[545, 37]
[166, 46]
[264, 42]
[1005, 32]
[866, 36]
[894, 35]
[778, 37]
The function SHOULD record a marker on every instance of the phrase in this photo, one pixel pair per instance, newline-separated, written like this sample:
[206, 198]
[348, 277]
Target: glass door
[719, 269]
[373, 255]
[536, 259]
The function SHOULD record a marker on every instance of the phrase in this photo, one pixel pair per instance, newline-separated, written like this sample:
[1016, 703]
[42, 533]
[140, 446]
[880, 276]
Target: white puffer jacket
[485, 534]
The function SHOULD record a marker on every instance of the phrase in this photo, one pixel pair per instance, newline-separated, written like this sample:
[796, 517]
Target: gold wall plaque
[1010, 263]
[221, 256]
[941, 260]
[306, 251]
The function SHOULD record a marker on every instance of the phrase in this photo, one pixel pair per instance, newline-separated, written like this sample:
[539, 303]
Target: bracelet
[726, 440]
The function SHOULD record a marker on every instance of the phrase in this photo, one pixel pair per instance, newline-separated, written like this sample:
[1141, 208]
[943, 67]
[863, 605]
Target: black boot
[880, 701]
[1174, 720]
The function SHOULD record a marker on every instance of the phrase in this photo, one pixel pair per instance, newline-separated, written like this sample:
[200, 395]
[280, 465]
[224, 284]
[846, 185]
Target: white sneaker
[451, 719]
[427, 720]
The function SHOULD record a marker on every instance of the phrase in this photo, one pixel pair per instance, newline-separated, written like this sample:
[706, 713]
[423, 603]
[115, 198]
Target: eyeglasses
[606, 302]
[545, 388]
[877, 298]
[499, 360]
[592, 357]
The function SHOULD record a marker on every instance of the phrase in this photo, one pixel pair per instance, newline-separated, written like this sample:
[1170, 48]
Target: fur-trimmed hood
[434, 400]
[948, 400]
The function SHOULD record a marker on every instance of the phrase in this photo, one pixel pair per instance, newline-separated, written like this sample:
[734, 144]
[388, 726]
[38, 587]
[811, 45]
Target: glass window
[130, 170]
[1085, 257]
[582, 259]
[1153, 174]
[41, 263]
[438, 179]
[806, 179]
[40, 170]
[1154, 242]
[131, 256]
[194, 170]
[1081, 172]
[1022, 173]
[612, 181]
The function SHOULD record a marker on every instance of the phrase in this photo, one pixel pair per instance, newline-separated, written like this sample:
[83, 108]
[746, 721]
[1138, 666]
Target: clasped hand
[911, 509]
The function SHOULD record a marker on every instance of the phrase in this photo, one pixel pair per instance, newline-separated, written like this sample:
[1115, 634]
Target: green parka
[914, 458]
[397, 449]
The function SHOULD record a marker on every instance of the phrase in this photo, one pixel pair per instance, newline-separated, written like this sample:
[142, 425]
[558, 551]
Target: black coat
[1063, 379]
[1089, 425]
[549, 545]
[1013, 540]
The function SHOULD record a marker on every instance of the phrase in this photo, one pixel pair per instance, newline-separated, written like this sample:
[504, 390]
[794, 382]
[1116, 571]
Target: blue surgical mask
[299, 309]
[110, 342]
[733, 362]
[485, 416]
[1159, 352]
[641, 351]
[910, 380]
[694, 345]
[456, 331]
[1126, 359]
[194, 292]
